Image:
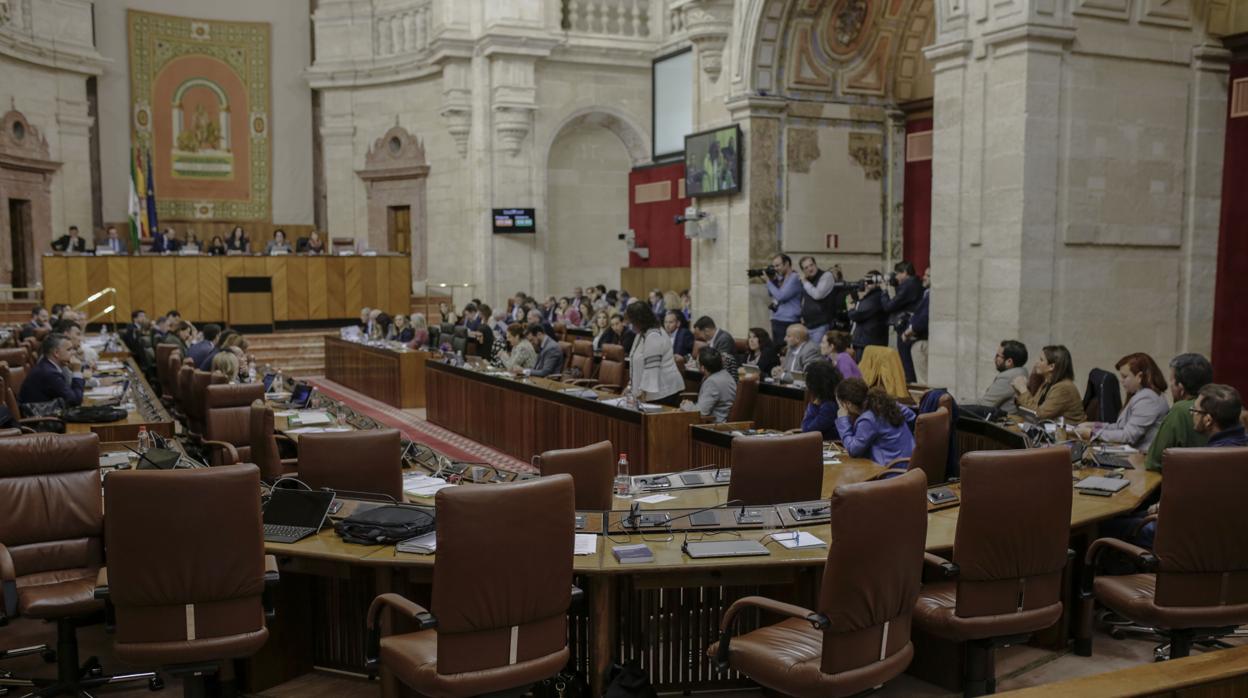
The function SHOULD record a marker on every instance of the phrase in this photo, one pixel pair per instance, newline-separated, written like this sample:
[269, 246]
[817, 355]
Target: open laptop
[300, 396]
[268, 381]
[292, 515]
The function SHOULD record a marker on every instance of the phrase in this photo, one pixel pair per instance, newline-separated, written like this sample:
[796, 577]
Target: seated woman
[1146, 407]
[760, 352]
[400, 331]
[226, 363]
[1057, 395]
[567, 313]
[822, 379]
[599, 326]
[278, 244]
[522, 355]
[238, 241]
[872, 424]
[835, 347]
[420, 331]
[217, 247]
[315, 244]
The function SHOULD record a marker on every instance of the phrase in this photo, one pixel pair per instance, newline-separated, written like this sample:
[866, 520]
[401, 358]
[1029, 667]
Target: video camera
[876, 279]
[768, 271]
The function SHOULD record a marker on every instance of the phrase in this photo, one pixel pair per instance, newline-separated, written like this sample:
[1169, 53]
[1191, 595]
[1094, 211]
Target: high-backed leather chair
[611, 374]
[227, 427]
[13, 375]
[28, 424]
[582, 364]
[176, 363]
[855, 640]
[355, 461]
[1194, 583]
[51, 544]
[1005, 581]
[202, 598]
[561, 332]
[182, 396]
[17, 357]
[931, 447]
[592, 469]
[486, 638]
[743, 406]
[776, 469]
[162, 369]
[263, 438]
[198, 403]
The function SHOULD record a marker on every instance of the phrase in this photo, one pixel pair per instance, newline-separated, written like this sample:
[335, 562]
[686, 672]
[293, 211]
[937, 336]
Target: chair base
[1174, 644]
[71, 679]
[979, 673]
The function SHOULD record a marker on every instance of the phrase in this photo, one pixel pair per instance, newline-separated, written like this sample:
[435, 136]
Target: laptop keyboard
[283, 531]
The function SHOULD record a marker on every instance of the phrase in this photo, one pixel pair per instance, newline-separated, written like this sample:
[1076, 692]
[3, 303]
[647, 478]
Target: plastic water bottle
[623, 483]
[145, 440]
[278, 383]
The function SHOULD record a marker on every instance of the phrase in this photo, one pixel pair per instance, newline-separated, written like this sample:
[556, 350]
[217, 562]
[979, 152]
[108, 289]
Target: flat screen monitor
[515, 220]
[713, 162]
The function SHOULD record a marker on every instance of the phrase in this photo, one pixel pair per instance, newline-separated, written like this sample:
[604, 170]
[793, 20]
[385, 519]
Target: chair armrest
[584, 382]
[1144, 559]
[1151, 518]
[818, 620]
[41, 420]
[101, 584]
[231, 453]
[281, 436]
[947, 569]
[8, 584]
[409, 609]
[271, 579]
[893, 463]
[16, 431]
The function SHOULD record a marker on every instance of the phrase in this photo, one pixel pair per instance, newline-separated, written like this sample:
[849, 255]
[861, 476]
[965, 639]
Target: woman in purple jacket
[872, 424]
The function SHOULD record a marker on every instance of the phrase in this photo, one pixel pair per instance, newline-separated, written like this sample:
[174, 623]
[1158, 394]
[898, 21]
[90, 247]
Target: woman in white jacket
[653, 375]
[1145, 409]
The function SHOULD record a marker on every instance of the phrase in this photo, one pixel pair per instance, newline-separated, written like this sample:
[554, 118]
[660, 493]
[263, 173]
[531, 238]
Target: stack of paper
[420, 545]
[309, 418]
[421, 485]
[796, 540]
[586, 544]
[1104, 484]
[317, 430]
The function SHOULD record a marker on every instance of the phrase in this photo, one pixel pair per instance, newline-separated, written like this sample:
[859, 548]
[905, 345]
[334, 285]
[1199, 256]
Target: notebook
[1104, 484]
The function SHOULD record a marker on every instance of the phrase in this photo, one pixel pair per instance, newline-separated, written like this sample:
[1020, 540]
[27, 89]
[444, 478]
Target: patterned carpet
[419, 430]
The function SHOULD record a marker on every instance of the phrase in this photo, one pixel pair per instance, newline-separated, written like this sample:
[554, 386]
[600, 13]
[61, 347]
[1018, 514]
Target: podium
[250, 303]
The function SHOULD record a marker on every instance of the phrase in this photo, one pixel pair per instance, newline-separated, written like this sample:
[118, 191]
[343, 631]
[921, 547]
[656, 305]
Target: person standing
[869, 316]
[653, 376]
[785, 288]
[913, 341]
[817, 299]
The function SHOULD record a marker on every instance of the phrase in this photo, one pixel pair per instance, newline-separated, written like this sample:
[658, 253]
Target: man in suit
[38, 321]
[70, 242]
[549, 355]
[619, 333]
[704, 330]
[802, 351]
[204, 346]
[48, 381]
[718, 390]
[112, 241]
[535, 317]
[656, 303]
[165, 241]
[682, 339]
[180, 336]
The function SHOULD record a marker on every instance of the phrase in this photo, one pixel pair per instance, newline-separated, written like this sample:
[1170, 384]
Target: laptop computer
[268, 381]
[300, 396]
[292, 515]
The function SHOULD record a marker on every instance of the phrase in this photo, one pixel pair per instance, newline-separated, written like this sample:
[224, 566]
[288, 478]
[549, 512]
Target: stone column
[341, 182]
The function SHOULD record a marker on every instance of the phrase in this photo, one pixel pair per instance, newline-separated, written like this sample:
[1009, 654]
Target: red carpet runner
[418, 430]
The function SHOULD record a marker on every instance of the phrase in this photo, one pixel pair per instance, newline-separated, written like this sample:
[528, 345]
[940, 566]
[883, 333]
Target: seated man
[39, 320]
[801, 353]
[704, 330]
[1011, 362]
[48, 381]
[682, 339]
[718, 390]
[549, 355]
[205, 345]
[70, 242]
[1188, 374]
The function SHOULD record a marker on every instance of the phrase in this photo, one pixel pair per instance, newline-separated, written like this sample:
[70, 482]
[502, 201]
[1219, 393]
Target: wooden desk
[777, 406]
[396, 377]
[148, 412]
[304, 287]
[523, 418]
[1218, 674]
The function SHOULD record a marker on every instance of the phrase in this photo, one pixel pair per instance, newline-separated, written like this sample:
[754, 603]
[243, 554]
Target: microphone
[636, 518]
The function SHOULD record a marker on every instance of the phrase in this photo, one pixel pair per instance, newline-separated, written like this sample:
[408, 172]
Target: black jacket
[904, 303]
[625, 339]
[47, 382]
[870, 320]
[61, 244]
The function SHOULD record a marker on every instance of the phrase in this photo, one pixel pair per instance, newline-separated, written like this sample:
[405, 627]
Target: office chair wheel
[92, 669]
[48, 656]
[155, 684]
[1116, 633]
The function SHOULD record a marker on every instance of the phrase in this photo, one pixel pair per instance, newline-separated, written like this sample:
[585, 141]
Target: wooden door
[400, 228]
[21, 251]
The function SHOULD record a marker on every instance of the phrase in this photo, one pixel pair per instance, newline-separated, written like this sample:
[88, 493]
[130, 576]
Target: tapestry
[199, 92]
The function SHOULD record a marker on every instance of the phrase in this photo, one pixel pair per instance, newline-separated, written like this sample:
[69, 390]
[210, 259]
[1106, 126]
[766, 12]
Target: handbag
[385, 525]
[97, 413]
[630, 681]
[47, 408]
[565, 684]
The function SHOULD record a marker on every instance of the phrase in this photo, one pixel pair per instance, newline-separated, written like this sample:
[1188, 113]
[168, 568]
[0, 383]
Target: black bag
[385, 525]
[565, 684]
[48, 408]
[630, 681]
[98, 413]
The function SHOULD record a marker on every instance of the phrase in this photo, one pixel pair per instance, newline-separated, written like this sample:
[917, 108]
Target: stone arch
[395, 173]
[635, 139]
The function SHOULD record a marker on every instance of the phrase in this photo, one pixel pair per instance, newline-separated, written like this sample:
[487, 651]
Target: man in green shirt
[1188, 374]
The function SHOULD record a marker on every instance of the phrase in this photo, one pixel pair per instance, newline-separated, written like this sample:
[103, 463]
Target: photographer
[912, 343]
[785, 288]
[818, 298]
[868, 314]
[906, 300]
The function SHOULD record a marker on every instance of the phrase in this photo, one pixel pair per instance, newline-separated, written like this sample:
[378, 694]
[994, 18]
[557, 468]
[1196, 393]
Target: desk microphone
[634, 513]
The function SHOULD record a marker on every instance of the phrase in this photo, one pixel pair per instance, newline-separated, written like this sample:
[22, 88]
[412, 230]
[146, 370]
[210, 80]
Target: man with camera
[900, 307]
[868, 314]
[785, 288]
[818, 299]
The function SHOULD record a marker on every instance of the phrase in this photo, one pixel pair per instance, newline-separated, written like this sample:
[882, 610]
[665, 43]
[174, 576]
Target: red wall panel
[653, 218]
[916, 213]
[1230, 324]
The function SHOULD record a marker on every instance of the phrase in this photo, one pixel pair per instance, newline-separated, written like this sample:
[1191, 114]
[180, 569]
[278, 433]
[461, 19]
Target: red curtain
[916, 214]
[654, 202]
[1230, 323]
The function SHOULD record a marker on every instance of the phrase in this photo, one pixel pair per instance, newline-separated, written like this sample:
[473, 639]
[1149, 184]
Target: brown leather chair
[13, 375]
[747, 394]
[197, 405]
[856, 640]
[487, 638]
[353, 461]
[776, 469]
[52, 547]
[203, 598]
[1193, 585]
[182, 396]
[1005, 581]
[582, 365]
[4, 433]
[162, 369]
[227, 427]
[28, 424]
[592, 469]
[561, 333]
[17, 357]
[611, 374]
[264, 438]
[931, 447]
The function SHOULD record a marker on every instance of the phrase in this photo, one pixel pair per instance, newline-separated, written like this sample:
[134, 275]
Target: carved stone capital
[512, 124]
[707, 25]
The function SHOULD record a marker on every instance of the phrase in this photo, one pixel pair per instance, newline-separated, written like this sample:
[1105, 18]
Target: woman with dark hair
[1056, 395]
[1140, 419]
[238, 242]
[822, 378]
[760, 351]
[872, 423]
[278, 244]
[522, 355]
[217, 247]
[653, 376]
[835, 347]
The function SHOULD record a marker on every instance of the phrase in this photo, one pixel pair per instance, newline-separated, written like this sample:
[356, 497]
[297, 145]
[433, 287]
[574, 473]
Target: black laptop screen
[305, 508]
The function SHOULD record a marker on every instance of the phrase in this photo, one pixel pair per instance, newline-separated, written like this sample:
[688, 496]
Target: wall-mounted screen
[515, 220]
[713, 162]
[672, 105]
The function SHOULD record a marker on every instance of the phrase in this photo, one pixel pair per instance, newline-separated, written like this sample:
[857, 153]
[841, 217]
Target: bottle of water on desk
[278, 383]
[623, 482]
[145, 440]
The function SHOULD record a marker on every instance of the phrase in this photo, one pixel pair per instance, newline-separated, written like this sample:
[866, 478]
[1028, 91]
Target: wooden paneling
[304, 288]
[639, 281]
[251, 309]
[396, 378]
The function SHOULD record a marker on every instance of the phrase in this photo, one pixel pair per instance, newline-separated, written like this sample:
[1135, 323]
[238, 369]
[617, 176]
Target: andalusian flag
[140, 185]
[150, 196]
[136, 209]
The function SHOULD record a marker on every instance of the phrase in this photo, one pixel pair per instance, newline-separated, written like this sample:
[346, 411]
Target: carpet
[419, 430]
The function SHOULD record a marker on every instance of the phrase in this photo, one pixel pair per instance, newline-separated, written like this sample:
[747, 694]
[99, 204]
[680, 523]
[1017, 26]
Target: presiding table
[393, 374]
